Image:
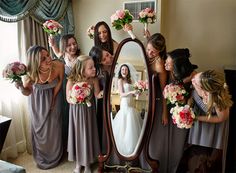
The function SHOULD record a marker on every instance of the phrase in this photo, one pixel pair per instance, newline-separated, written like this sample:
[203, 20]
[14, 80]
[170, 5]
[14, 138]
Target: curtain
[41, 10]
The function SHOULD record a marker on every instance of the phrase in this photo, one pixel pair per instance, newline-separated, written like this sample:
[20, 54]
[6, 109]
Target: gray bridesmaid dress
[83, 142]
[158, 145]
[210, 135]
[46, 125]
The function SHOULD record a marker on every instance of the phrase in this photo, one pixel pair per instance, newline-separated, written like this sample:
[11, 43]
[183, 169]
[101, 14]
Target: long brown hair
[108, 45]
[157, 40]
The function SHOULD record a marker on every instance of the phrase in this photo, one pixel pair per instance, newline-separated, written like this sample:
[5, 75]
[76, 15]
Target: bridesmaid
[180, 71]
[103, 61]
[208, 137]
[103, 38]
[67, 52]
[43, 85]
[158, 144]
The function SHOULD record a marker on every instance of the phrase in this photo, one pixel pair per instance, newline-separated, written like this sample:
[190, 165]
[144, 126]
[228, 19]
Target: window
[8, 53]
[136, 6]
[8, 44]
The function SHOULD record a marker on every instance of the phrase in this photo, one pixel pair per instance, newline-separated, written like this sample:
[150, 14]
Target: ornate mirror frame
[142, 150]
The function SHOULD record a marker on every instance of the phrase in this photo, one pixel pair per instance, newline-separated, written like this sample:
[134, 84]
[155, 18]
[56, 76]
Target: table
[4, 126]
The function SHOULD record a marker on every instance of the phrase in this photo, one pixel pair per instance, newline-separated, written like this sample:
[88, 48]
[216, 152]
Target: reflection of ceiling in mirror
[132, 52]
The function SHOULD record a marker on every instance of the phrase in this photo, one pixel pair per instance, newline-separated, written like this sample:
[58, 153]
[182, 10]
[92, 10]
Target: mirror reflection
[129, 98]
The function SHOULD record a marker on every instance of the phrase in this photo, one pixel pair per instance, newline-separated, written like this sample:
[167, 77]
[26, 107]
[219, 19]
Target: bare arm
[97, 92]
[24, 87]
[59, 67]
[121, 89]
[163, 78]
[69, 86]
[221, 116]
[54, 47]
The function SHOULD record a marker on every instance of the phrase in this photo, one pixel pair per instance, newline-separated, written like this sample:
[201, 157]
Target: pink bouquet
[140, 86]
[147, 16]
[81, 93]
[182, 116]
[14, 71]
[175, 93]
[120, 18]
[90, 32]
[52, 27]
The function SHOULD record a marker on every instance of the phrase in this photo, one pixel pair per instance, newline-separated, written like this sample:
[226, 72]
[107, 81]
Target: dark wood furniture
[4, 126]
[230, 75]
[142, 150]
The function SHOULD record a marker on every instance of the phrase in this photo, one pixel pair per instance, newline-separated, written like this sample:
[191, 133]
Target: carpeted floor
[25, 160]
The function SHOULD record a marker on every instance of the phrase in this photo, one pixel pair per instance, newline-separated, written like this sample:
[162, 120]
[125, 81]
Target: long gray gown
[46, 125]
[83, 142]
[158, 145]
[209, 135]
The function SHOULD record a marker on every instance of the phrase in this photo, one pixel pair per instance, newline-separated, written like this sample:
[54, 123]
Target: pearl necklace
[49, 75]
[152, 60]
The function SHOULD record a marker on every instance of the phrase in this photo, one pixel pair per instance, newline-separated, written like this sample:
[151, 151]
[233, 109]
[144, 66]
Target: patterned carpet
[25, 160]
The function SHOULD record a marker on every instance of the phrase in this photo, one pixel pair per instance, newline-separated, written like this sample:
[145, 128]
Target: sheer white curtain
[12, 103]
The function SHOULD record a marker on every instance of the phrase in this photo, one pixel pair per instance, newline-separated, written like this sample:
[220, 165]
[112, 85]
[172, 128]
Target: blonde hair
[33, 62]
[214, 83]
[77, 72]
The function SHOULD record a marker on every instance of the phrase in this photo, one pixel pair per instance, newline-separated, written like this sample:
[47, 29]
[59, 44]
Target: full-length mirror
[129, 98]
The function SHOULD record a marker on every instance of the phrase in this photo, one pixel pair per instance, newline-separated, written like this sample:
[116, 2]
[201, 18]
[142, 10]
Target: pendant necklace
[49, 75]
[152, 60]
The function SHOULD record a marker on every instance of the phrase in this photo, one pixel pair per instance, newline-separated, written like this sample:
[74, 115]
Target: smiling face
[124, 71]
[103, 33]
[151, 51]
[196, 81]
[89, 69]
[107, 58]
[71, 47]
[45, 60]
[169, 64]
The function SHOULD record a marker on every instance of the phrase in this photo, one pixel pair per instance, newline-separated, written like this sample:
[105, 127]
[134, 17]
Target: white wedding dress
[127, 124]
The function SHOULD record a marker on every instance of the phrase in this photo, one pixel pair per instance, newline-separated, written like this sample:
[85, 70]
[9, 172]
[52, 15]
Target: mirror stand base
[126, 168]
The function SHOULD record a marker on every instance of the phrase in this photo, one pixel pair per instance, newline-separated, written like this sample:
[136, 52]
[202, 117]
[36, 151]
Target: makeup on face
[103, 33]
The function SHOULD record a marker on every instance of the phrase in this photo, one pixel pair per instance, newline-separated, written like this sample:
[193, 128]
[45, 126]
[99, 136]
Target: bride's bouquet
[14, 71]
[140, 86]
[182, 116]
[52, 27]
[120, 18]
[90, 32]
[80, 93]
[147, 16]
[175, 93]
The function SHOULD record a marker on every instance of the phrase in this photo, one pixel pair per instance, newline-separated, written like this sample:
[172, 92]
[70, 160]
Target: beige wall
[206, 27]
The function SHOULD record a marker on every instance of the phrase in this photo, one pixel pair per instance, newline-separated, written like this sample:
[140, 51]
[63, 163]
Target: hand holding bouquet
[147, 16]
[140, 86]
[182, 116]
[90, 32]
[81, 93]
[14, 71]
[52, 27]
[175, 93]
[120, 18]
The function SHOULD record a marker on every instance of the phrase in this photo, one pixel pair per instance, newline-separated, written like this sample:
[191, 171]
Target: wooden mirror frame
[144, 142]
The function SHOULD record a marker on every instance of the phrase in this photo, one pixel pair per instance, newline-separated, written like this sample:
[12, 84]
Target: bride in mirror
[127, 123]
